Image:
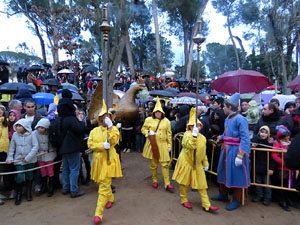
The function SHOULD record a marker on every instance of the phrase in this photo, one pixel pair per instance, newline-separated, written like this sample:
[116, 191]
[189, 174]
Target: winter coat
[100, 168]
[71, 127]
[184, 172]
[23, 146]
[277, 156]
[292, 157]
[261, 156]
[252, 114]
[291, 121]
[206, 125]
[163, 138]
[180, 126]
[4, 141]
[45, 147]
[271, 121]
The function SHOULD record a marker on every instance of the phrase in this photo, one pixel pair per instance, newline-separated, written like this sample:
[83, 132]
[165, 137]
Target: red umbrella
[272, 87]
[295, 84]
[241, 81]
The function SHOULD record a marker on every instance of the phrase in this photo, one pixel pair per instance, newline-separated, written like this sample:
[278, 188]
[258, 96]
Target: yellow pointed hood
[192, 119]
[103, 109]
[158, 106]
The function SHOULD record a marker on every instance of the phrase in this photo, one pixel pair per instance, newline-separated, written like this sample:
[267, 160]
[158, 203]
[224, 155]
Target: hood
[65, 107]
[25, 123]
[192, 119]
[104, 111]
[158, 106]
[17, 114]
[267, 129]
[43, 123]
[52, 108]
[252, 103]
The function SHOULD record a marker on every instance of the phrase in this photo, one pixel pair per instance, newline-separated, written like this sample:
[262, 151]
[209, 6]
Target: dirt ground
[136, 203]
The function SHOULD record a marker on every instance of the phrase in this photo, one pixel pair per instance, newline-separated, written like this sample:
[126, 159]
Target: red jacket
[277, 156]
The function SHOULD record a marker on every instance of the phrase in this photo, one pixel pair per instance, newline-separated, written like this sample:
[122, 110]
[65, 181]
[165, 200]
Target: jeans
[140, 141]
[262, 179]
[70, 172]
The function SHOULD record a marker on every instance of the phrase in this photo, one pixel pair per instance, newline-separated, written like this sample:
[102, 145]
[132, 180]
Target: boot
[19, 187]
[29, 190]
[50, 187]
[44, 185]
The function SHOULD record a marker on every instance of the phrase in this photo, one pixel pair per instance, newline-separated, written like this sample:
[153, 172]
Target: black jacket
[261, 156]
[180, 126]
[292, 157]
[72, 128]
[271, 121]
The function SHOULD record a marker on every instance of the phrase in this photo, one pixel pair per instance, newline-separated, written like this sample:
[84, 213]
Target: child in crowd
[22, 149]
[262, 171]
[48, 154]
[4, 141]
[13, 116]
[283, 140]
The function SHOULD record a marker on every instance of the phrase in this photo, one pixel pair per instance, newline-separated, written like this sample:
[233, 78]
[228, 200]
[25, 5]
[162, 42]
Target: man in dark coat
[183, 117]
[271, 118]
[71, 145]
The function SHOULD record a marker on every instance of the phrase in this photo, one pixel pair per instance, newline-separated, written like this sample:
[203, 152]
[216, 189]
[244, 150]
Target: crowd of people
[27, 134]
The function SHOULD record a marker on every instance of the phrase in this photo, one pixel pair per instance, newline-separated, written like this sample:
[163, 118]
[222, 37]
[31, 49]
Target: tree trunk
[42, 42]
[194, 32]
[54, 49]
[129, 55]
[113, 70]
[185, 45]
[157, 39]
[238, 65]
[284, 73]
[243, 50]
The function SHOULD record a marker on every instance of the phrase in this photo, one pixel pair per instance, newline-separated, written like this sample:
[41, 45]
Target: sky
[14, 31]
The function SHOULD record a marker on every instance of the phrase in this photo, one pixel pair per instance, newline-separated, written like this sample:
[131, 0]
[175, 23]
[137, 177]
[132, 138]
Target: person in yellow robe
[160, 127]
[106, 162]
[191, 164]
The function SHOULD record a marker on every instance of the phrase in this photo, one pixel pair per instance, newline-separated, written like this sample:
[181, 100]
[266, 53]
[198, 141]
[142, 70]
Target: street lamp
[198, 39]
[105, 28]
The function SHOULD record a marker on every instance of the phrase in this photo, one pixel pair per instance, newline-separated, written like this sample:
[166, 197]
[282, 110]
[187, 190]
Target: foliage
[219, 58]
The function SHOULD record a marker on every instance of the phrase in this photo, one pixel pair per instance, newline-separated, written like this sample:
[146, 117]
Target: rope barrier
[19, 160]
[35, 168]
[24, 171]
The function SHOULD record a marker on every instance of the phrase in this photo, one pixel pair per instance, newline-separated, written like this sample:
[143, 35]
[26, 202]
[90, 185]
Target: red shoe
[169, 187]
[108, 205]
[155, 185]
[187, 205]
[211, 209]
[97, 220]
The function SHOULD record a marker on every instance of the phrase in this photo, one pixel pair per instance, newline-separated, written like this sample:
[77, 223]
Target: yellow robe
[163, 138]
[4, 140]
[184, 172]
[100, 169]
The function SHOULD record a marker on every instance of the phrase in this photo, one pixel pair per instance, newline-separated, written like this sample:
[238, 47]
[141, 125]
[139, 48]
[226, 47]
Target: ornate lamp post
[198, 39]
[105, 28]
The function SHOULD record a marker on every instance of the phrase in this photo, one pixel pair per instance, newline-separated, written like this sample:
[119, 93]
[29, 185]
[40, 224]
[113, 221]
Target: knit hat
[158, 106]
[65, 93]
[265, 128]
[43, 123]
[192, 119]
[234, 99]
[282, 131]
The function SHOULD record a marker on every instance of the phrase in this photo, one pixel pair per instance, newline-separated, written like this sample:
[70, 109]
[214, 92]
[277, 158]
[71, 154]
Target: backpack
[56, 135]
